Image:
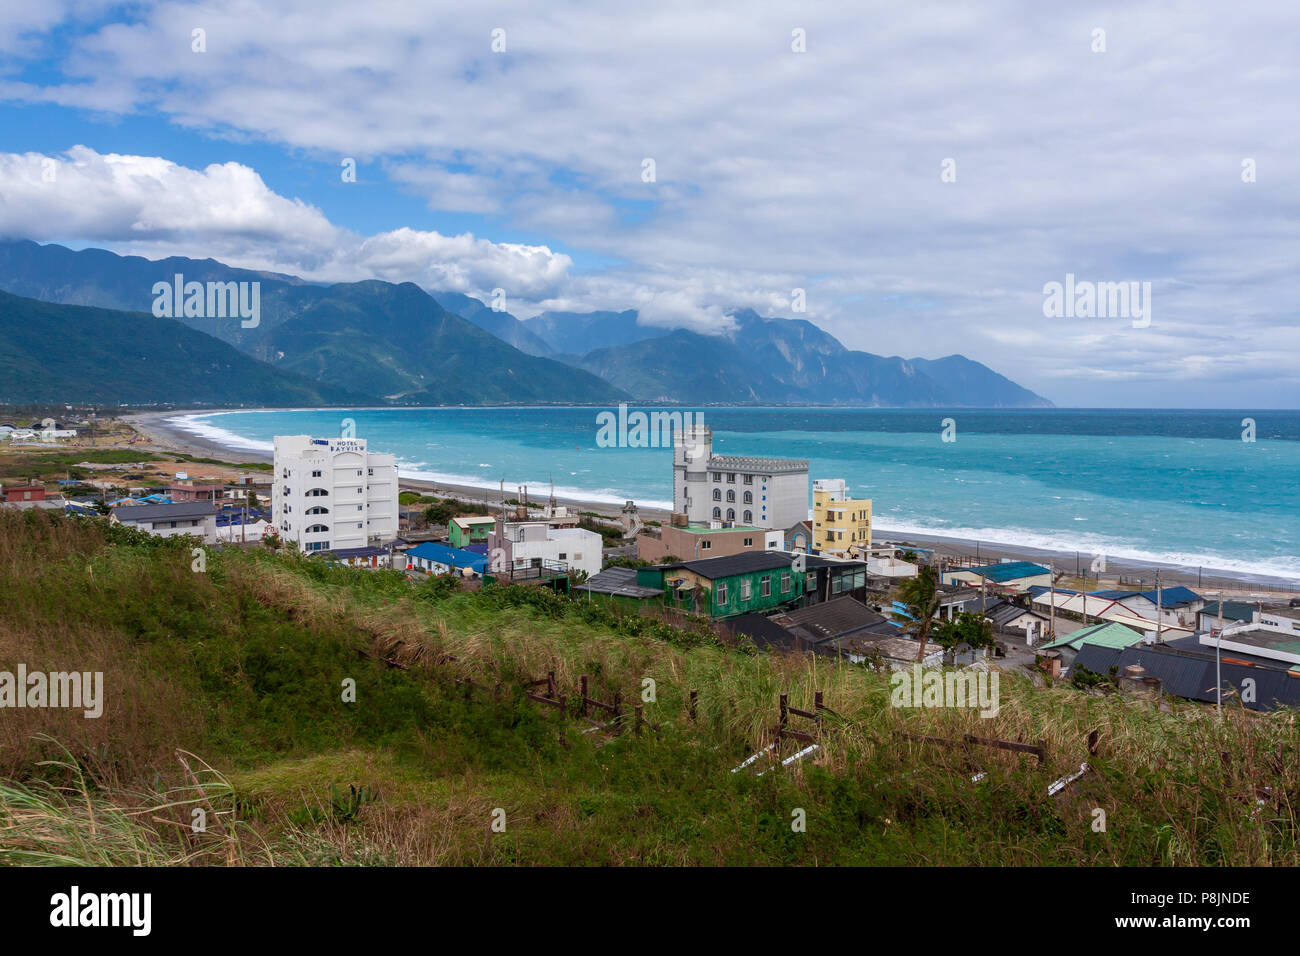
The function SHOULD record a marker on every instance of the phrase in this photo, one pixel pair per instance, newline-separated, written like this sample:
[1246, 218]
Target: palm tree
[921, 596]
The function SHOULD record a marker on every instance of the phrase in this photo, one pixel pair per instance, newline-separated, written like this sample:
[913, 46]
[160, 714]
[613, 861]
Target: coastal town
[741, 551]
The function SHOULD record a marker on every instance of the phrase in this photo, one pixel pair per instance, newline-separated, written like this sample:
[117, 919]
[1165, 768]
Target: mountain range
[397, 343]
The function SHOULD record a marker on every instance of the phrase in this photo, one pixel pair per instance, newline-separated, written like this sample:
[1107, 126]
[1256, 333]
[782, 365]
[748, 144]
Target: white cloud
[774, 169]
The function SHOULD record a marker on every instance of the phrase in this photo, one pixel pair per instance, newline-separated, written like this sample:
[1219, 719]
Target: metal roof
[166, 512]
[1004, 612]
[1190, 674]
[747, 562]
[619, 582]
[347, 553]
[1172, 597]
[1105, 634]
[1232, 611]
[1006, 571]
[454, 557]
[830, 619]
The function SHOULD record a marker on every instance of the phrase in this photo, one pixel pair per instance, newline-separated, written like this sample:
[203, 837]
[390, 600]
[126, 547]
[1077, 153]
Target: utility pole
[1160, 613]
[1218, 653]
[1051, 577]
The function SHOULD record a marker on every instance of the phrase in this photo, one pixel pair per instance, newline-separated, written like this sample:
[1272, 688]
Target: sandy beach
[167, 437]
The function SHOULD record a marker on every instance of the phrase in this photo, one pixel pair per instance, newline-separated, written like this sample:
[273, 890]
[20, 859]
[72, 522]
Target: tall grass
[244, 664]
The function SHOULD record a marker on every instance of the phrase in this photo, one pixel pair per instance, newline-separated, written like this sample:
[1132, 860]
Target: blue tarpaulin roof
[453, 557]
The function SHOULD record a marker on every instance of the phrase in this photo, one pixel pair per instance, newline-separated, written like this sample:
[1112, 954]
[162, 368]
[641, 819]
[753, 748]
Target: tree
[967, 628]
[441, 513]
[920, 595]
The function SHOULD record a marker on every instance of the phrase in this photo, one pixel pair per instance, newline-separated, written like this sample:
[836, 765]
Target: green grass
[244, 665]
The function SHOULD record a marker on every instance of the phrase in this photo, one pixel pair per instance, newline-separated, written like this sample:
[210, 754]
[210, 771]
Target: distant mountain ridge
[71, 353]
[792, 361]
[394, 342]
[402, 344]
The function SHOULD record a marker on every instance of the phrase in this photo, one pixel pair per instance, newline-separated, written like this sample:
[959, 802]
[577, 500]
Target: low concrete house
[196, 518]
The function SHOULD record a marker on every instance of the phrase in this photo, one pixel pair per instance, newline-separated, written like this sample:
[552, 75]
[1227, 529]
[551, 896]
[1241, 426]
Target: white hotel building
[730, 491]
[330, 494]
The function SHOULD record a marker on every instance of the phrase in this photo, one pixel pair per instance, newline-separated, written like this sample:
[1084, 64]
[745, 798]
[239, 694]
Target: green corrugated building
[469, 529]
[746, 583]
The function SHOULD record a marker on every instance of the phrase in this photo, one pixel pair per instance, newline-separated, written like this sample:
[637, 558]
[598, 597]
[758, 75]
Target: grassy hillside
[79, 354]
[223, 692]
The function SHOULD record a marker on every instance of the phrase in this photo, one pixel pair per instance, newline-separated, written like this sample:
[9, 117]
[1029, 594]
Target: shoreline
[167, 437]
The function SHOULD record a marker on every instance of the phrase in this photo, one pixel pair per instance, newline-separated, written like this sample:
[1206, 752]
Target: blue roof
[1172, 597]
[1007, 571]
[454, 557]
[1038, 589]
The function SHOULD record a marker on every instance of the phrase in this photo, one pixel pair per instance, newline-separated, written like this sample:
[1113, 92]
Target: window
[749, 542]
[717, 514]
[731, 514]
[705, 545]
[318, 510]
[748, 498]
[359, 507]
[785, 582]
[315, 474]
[318, 493]
[749, 517]
[370, 472]
[717, 476]
[745, 588]
[749, 479]
[358, 472]
[717, 494]
[765, 587]
[731, 477]
[317, 546]
[563, 556]
[731, 495]
[722, 593]
[317, 529]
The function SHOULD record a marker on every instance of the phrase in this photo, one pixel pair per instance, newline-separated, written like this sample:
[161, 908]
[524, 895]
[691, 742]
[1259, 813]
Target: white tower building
[330, 494]
[733, 490]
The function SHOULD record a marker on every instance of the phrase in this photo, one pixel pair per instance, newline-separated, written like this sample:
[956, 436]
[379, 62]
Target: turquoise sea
[1180, 487]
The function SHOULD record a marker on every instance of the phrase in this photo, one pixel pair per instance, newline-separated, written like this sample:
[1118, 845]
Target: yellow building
[839, 522]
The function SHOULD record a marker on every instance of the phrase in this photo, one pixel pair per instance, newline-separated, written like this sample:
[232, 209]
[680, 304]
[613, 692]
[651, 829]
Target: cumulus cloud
[148, 205]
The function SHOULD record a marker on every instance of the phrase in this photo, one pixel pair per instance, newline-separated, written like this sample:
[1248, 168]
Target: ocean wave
[1282, 566]
[196, 425]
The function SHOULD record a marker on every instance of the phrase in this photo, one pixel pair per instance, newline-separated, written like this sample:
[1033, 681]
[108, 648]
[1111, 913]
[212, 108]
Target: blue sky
[793, 148]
